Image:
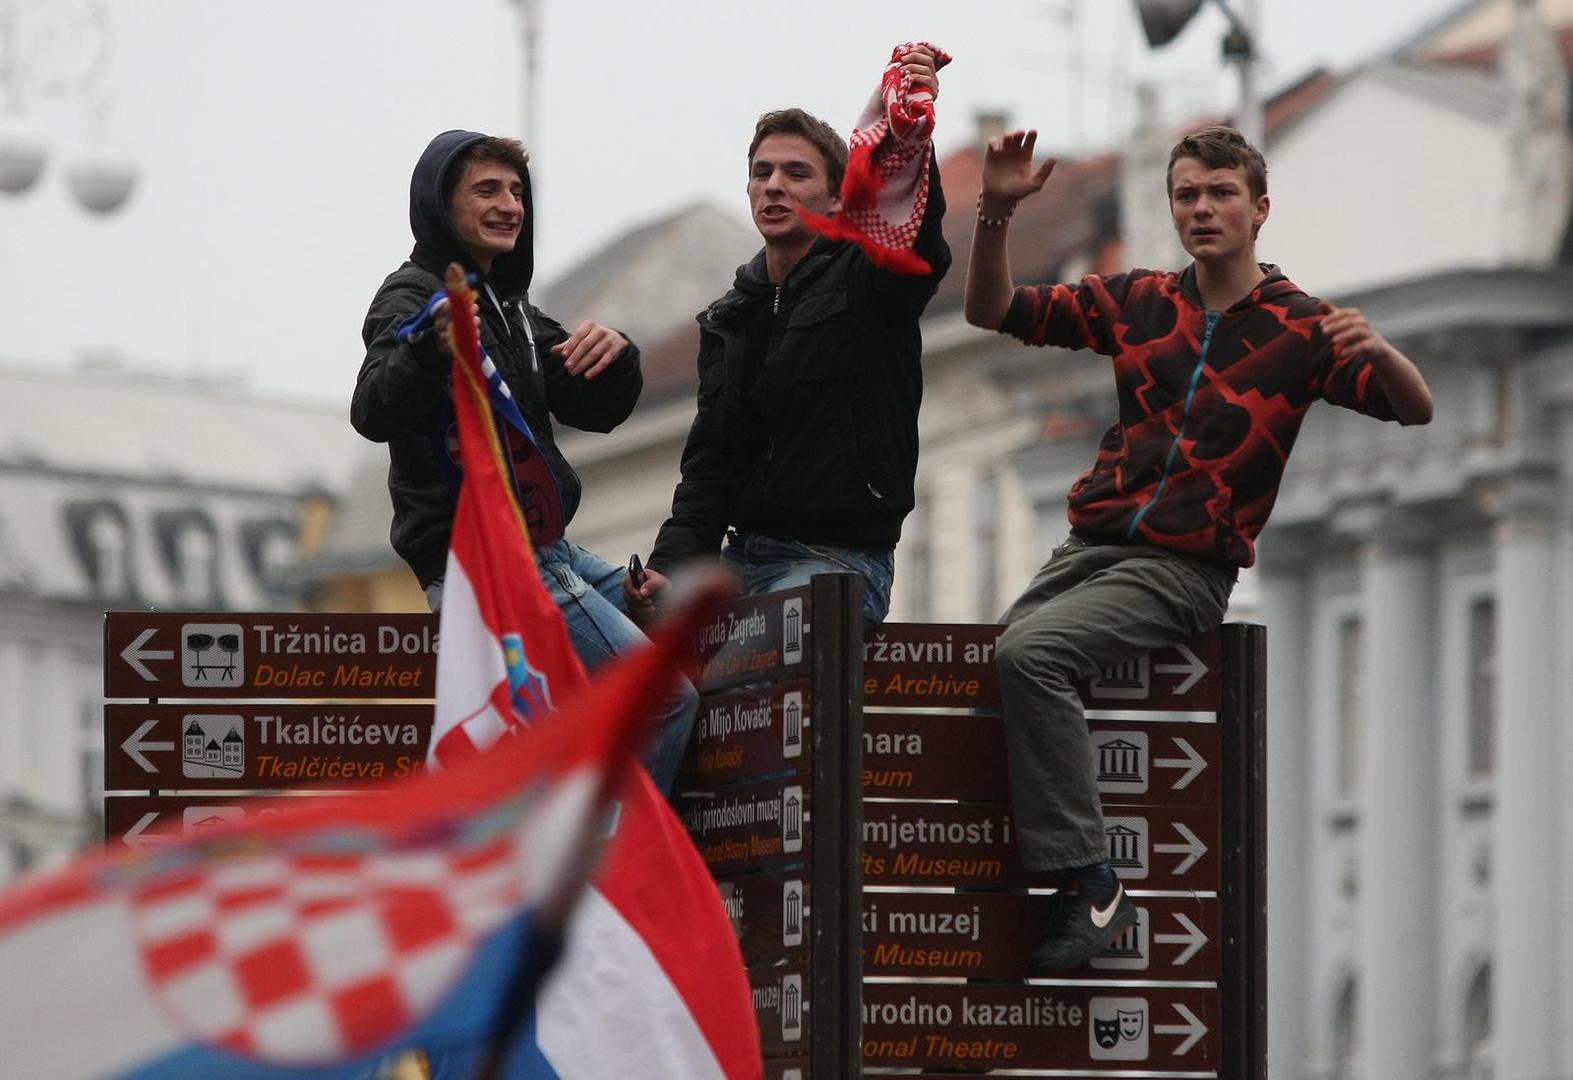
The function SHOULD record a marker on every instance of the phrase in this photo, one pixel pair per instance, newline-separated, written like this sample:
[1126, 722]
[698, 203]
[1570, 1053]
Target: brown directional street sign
[974, 844]
[151, 654]
[781, 1009]
[929, 756]
[748, 733]
[757, 639]
[144, 821]
[756, 826]
[989, 936]
[261, 747]
[938, 665]
[1039, 1027]
[959, 756]
[770, 915]
[951, 665]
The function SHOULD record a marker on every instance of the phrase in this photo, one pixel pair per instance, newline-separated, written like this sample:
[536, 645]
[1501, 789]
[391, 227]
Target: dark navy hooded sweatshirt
[404, 394]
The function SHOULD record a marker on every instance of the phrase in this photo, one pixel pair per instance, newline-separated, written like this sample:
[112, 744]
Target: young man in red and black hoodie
[1215, 368]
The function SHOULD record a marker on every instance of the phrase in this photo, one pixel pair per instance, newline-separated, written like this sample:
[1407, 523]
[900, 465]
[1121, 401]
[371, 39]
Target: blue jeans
[589, 592]
[768, 565]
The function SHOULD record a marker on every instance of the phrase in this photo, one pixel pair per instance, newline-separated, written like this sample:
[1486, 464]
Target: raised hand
[1008, 173]
[918, 62]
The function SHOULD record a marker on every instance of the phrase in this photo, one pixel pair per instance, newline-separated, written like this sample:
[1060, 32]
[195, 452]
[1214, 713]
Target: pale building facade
[116, 492]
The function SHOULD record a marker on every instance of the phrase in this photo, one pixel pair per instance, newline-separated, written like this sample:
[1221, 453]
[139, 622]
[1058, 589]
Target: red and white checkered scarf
[886, 189]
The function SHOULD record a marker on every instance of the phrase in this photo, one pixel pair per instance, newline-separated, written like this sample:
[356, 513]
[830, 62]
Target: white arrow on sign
[1193, 763]
[1193, 669]
[1193, 1029]
[1193, 939]
[1192, 849]
[135, 745]
[134, 654]
[134, 839]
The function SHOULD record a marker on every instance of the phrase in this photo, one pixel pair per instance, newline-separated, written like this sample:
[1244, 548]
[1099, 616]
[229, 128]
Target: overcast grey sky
[276, 137]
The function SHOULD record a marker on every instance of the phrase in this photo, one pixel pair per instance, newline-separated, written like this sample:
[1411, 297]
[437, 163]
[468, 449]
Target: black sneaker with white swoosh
[1076, 928]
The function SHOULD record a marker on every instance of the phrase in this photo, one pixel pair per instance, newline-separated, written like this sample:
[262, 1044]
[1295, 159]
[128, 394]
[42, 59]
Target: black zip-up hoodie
[404, 394]
[807, 426]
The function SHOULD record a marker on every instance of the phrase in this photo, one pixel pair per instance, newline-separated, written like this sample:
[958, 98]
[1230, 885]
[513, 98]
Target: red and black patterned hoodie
[1210, 402]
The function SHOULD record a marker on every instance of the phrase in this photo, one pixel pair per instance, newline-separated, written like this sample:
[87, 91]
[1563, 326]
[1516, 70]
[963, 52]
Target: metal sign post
[1178, 742]
[772, 795]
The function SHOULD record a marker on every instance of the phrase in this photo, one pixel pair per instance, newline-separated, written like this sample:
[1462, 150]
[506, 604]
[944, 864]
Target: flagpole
[518, 1004]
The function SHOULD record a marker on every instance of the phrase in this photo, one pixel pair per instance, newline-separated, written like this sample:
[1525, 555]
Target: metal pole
[10, 80]
[1252, 121]
[529, 113]
[529, 37]
[1242, 719]
[836, 978]
[1241, 50]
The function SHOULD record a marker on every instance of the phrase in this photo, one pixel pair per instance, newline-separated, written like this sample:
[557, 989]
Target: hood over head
[436, 244]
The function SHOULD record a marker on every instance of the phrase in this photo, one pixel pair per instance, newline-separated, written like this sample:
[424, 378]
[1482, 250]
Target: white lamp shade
[101, 181]
[22, 157]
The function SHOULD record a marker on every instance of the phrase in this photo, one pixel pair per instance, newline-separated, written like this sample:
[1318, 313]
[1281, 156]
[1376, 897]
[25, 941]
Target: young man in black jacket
[805, 445]
[470, 203]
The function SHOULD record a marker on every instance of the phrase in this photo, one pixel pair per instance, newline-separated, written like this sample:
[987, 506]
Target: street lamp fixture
[22, 155]
[54, 48]
[1162, 21]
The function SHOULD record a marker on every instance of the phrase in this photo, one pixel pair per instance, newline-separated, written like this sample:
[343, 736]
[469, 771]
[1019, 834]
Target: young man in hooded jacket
[470, 203]
[1214, 368]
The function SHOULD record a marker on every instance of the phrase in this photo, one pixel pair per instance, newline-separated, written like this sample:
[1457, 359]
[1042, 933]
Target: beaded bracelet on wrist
[993, 223]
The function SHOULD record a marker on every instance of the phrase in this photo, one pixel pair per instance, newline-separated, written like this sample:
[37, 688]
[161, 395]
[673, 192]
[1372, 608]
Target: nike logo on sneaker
[1101, 916]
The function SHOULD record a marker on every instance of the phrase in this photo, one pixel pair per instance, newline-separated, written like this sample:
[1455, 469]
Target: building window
[101, 535]
[91, 757]
[22, 857]
[189, 545]
[1346, 1031]
[1477, 1027]
[985, 540]
[269, 547]
[1482, 687]
[1351, 707]
[33, 734]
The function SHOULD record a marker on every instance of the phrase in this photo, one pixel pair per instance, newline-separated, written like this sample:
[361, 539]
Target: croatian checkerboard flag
[325, 941]
[651, 983]
[321, 941]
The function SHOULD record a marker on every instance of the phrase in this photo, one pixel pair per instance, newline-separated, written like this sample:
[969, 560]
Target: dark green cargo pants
[1091, 606]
